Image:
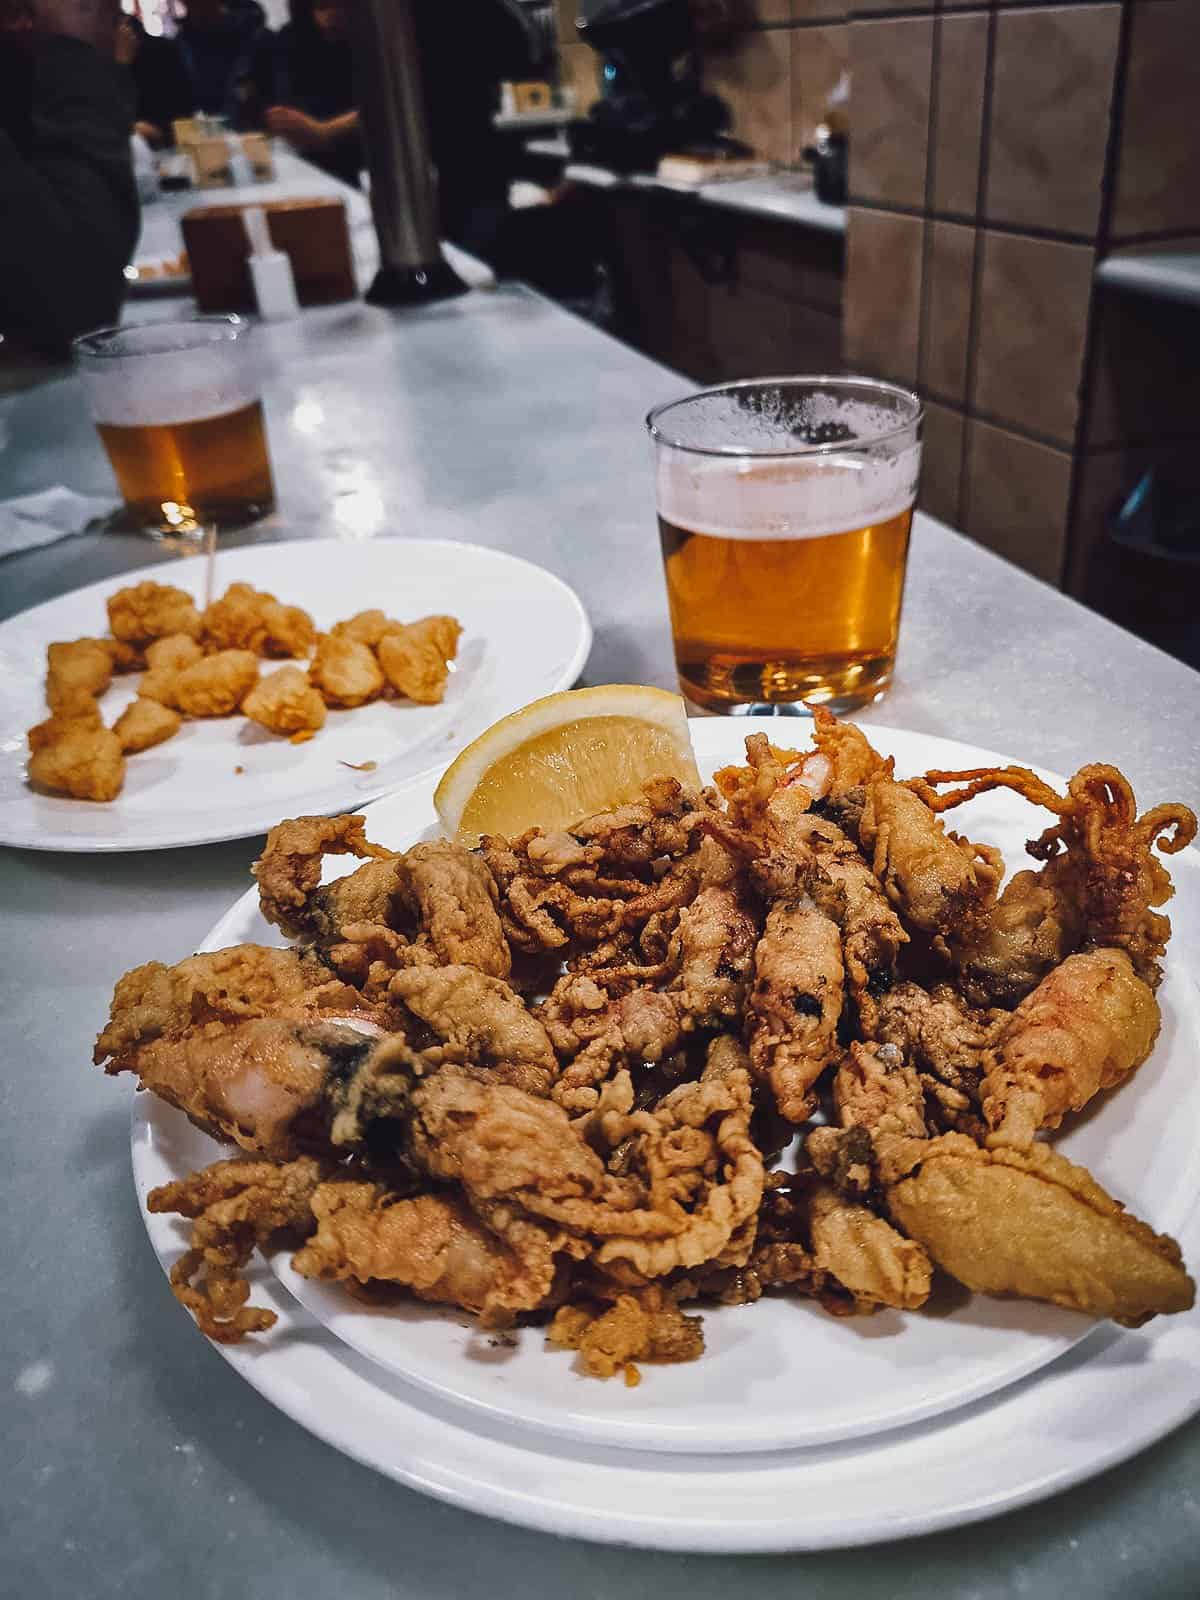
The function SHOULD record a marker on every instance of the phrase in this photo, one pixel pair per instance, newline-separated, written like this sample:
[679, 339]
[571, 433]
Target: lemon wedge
[563, 758]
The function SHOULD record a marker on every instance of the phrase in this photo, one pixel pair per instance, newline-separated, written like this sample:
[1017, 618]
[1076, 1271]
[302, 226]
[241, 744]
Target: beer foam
[153, 381]
[744, 497]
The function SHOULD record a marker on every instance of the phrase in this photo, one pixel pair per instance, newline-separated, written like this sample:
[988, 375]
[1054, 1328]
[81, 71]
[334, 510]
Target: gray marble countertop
[779, 196]
[135, 1461]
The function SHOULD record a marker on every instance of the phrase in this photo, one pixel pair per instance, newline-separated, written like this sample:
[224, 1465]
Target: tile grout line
[935, 54]
[985, 142]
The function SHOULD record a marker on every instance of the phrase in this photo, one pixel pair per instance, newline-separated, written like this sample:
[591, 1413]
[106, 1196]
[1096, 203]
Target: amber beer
[178, 410]
[211, 469]
[784, 510]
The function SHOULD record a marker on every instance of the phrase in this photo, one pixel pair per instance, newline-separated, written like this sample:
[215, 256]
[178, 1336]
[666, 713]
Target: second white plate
[525, 634]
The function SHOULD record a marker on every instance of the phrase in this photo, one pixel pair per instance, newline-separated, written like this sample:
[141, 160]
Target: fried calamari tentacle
[1101, 881]
[478, 1020]
[938, 1032]
[940, 883]
[863, 1254]
[641, 1026]
[236, 1206]
[1032, 1224]
[288, 872]
[795, 1003]
[432, 1244]
[1085, 1028]
[456, 900]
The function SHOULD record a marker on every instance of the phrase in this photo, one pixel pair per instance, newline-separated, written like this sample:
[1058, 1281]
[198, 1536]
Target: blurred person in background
[217, 40]
[468, 48]
[68, 204]
[162, 85]
[301, 87]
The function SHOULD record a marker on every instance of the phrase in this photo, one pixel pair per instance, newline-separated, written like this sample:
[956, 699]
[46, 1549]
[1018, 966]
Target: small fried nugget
[345, 672]
[125, 657]
[166, 659]
[367, 627]
[174, 652]
[76, 672]
[145, 723]
[285, 702]
[59, 727]
[149, 611]
[217, 685]
[84, 762]
[245, 618]
[414, 657]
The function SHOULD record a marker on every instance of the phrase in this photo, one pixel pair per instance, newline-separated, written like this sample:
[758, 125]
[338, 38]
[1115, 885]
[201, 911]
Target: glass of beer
[784, 509]
[178, 408]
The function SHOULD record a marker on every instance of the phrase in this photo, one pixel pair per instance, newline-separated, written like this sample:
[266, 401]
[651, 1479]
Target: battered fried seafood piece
[1028, 1222]
[640, 1325]
[433, 1245]
[57, 728]
[265, 1083]
[145, 723]
[125, 657]
[76, 674]
[286, 703]
[149, 611]
[216, 685]
[366, 627]
[288, 872]
[795, 1003]
[75, 757]
[245, 618]
[945, 1040]
[841, 885]
[1001, 1221]
[345, 672]
[712, 951]
[1100, 885]
[236, 1206]
[245, 981]
[1085, 1028]
[863, 1254]
[456, 900]
[478, 1019]
[940, 883]
[415, 657]
[691, 1196]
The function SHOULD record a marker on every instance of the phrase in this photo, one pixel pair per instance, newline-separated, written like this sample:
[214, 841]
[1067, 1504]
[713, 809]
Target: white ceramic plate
[755, 1389]
[525, 635]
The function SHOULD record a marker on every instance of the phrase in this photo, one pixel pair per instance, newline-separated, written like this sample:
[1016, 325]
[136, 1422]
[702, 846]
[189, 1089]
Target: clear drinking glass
[178, 408]
[784, 509]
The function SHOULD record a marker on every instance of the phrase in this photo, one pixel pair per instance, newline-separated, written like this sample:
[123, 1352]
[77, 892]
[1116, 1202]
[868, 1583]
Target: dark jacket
[68, 203]
[217, 58]
[162, 84]
[297, 67]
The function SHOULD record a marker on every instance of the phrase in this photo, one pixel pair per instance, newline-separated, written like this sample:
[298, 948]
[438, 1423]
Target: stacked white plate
[796, 1430]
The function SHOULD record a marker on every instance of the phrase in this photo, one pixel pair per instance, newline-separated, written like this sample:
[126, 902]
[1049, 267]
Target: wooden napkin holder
[312, 233]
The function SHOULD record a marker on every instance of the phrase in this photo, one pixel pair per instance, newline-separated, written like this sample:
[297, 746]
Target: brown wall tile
[890, 65]
[819, 57]
[949, 285]
[1158, 168]
[755, 80]
[768, 10]
[1016, 497]
[1145, 371]
[1052, 89]
[958, 115]
[1032, 320]
[872, 8]
[941, 462]
[883, 293]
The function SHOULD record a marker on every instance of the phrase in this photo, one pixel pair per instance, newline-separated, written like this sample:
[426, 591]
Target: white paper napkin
[35, 519]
